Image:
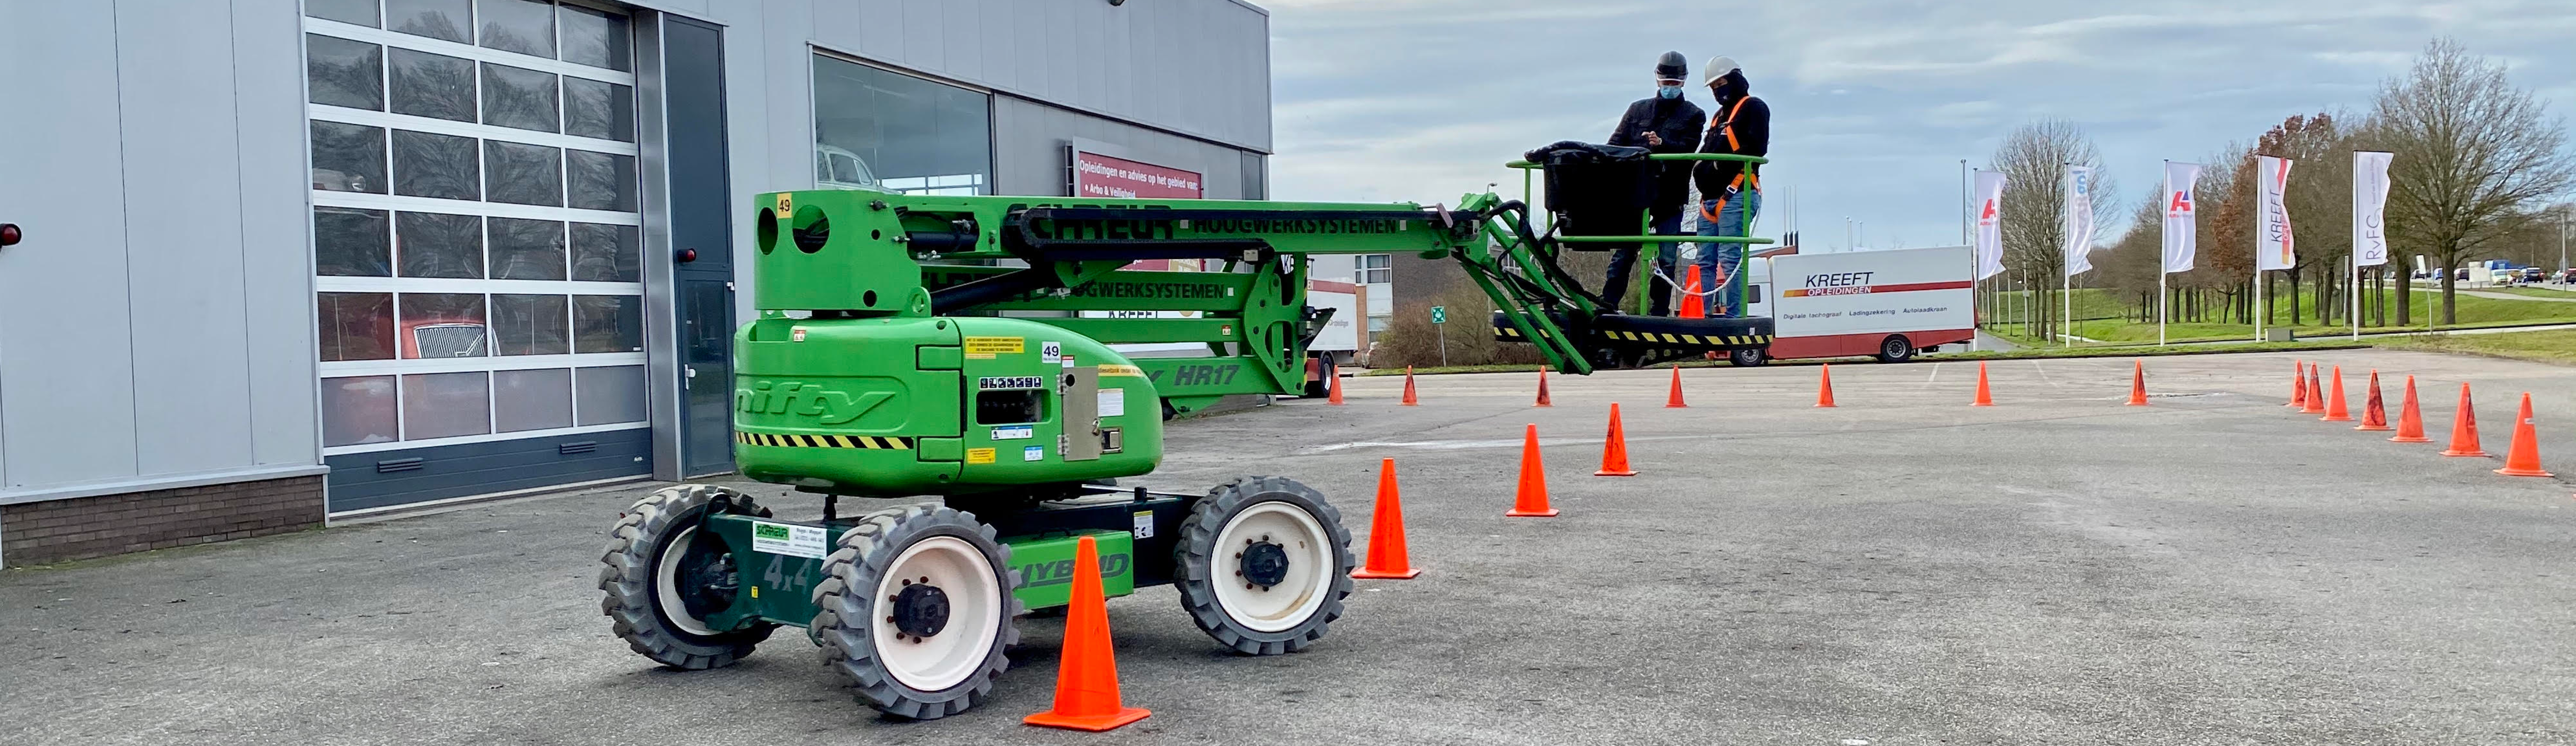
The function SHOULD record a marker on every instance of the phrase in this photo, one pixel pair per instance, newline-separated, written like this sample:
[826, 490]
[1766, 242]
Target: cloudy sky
[1874, 103]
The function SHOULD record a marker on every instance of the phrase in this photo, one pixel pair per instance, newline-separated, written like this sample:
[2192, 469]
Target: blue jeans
[1718, 261]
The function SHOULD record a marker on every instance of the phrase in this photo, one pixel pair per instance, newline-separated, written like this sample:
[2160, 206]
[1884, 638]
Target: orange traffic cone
[2374, 413]
[1824, 385]
[2316, 403]
[1333, 392]
[1674, 399]
[2335, 411]
[2522, 457]
[1386, 556]
[1694, 305]
[1531, 500]
[1086, 679]
[1408, 388]
[1614, 449]
[2464, 428]
[1985, 396]
[1542, 387]
[2298, 384]
[2138, 384]
[2410, 419]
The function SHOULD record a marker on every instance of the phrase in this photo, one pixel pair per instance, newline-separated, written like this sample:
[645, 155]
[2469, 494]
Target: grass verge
[2551, 346]
[2022, 354]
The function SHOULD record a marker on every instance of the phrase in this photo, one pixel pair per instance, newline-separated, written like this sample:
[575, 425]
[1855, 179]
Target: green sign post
[1440, 323]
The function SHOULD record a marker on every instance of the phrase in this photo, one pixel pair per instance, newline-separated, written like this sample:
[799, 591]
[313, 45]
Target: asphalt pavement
[1901, 569]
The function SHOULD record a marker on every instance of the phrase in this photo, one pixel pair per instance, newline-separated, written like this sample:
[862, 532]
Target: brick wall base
[85, 527]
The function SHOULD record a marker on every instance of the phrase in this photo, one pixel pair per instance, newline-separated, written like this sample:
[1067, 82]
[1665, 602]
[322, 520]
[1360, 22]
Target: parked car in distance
[2568, 276]
[2534, 274]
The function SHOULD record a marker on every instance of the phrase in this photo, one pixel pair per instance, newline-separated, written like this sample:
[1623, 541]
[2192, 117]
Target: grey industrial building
[284, 260]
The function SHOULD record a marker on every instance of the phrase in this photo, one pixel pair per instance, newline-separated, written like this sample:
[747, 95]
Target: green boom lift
[882, 367]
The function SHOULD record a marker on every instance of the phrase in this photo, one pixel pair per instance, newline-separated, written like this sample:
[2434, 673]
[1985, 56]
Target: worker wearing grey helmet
[1664, 123]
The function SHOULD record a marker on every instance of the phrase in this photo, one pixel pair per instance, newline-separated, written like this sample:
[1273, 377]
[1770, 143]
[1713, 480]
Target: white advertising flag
[2079, 220]
[2273, 247]
[1990, 224]
[2182, 216]
[2369, 199]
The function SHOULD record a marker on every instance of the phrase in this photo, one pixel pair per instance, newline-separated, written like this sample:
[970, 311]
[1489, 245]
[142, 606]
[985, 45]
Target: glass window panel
[607, 323]
[436, 325]
[345, 73]
[610, 395]
[430, 244]
[446, 405]
[349, 242]
[348, 158]
[529, 324]
[602, 110]
[909, 134]
[531, 399]
[525, 174]
[595, 38]
[436, 19]
[607, 253]
[357, 410]
[600, 181]
[515, 97]
[527, 249]
[356, 326]
[361, 12]
[432, 85]
[522, 26]
[432, 165]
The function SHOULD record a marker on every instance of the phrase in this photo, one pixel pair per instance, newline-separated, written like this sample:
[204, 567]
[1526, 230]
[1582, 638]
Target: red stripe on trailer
[1896, 288]
[1843, 345]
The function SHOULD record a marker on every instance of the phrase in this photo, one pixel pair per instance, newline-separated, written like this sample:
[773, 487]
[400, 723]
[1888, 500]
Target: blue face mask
[1668, 91]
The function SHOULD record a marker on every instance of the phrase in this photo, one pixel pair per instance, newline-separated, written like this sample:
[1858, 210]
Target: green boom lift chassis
[880, 367]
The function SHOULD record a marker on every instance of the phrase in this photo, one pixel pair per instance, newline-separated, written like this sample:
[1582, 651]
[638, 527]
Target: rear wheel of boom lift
[1752, 357]
[916, 609]
[665, 575]
[1264, 563]
[1895, 349]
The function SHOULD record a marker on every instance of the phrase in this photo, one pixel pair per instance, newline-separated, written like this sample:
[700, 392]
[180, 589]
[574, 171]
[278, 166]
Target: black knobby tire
[1195, 556]
[631, 579]
[1749, 357]
[842, 626]
[1895, 349]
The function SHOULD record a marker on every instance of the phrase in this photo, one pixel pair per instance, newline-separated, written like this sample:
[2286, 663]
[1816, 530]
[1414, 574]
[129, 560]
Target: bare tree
[2034, 160]
[2474, 156]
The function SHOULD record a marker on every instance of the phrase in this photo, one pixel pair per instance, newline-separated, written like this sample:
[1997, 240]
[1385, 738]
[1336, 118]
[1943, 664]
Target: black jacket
[1751, 135]
[1677, 120]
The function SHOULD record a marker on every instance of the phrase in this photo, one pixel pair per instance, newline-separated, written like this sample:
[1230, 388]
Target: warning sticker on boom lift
[991, 345]
[979, 455]
[788, 539]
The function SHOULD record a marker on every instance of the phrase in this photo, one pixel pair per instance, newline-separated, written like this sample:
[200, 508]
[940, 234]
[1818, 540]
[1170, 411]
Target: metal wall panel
[1028, 150]
[183, 237]
[66, 373]
[276, 230]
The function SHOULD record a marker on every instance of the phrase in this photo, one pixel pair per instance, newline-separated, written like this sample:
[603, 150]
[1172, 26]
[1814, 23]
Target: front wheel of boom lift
[916, 609]
[664, 575]
[1751, 357]
[1263, 565]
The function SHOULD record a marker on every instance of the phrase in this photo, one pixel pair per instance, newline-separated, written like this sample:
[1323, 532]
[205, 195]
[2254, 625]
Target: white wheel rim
[958, 650]
[1310, 567]
[666, 584]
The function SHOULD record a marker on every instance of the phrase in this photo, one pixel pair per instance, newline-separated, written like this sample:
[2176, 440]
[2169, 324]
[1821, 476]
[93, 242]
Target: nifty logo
[806, 400]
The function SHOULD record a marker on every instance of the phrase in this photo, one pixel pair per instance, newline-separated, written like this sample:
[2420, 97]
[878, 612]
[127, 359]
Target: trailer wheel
[1751, 357]
[916, 609]
[1895, 349]
[663, 575]
[1264, 563]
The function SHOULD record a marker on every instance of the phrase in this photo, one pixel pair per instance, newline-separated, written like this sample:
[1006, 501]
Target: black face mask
[1731, 87]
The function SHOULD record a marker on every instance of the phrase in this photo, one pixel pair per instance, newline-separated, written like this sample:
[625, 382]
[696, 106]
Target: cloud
[1875, 102]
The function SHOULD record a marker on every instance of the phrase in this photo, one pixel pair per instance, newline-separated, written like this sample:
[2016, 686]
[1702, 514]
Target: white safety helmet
[1718, 67]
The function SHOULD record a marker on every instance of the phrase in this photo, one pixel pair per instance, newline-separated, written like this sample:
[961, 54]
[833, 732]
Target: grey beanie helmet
[1672, 67]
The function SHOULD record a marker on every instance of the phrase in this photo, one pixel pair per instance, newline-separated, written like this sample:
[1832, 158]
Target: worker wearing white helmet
[1730, 191]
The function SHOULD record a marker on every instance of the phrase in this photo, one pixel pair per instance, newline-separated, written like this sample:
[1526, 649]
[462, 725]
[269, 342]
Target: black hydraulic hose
[994, 289]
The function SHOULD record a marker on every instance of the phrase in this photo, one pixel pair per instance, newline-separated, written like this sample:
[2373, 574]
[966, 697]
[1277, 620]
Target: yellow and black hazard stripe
[868, 442]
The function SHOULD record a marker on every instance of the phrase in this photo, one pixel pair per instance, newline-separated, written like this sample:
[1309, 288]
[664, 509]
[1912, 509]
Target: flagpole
[2355, 259]
[2065, 268]
[2163, 266]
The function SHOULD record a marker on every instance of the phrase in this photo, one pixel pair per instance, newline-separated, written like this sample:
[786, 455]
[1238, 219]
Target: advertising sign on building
[1096, 175]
